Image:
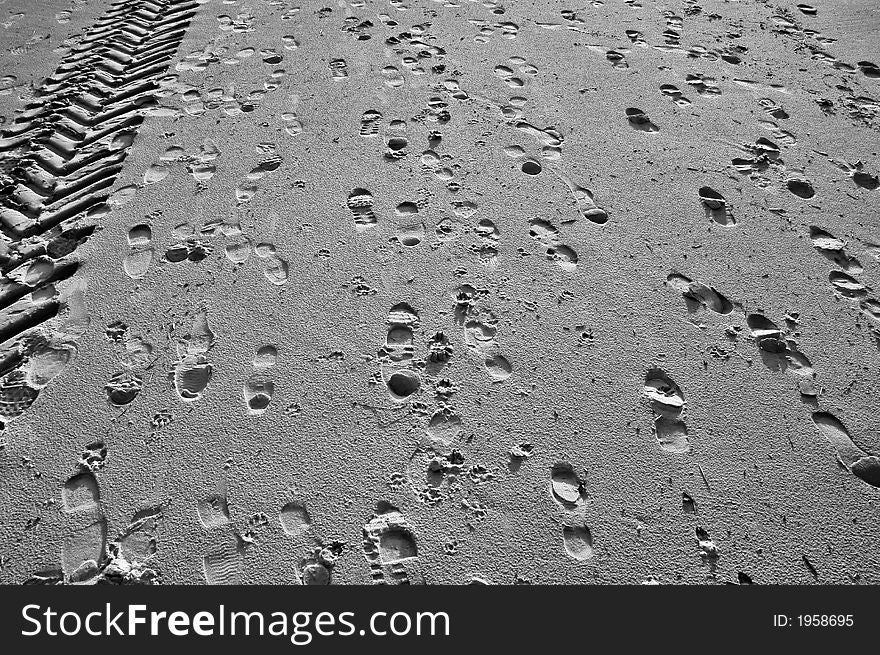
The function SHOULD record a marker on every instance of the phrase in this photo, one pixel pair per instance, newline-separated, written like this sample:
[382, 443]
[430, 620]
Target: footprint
[636, 37]
[531, 167]
[617, 59]
[402, 384]
[578, 542]
[295, 519]
[399, 348]
[672, 435]
[259, 388]
[123, 387]
[779, 352]
[84, 548]
[716, 206]
[360, 204]
[698, 295]
[397, 352]
[783, 136]
[192, 372]
[444, 427]
[546, 137]
[134, 354]
[858, 174]
[213, 511]
[275, 269]
[547, 235]
[667, 405]
[584, 200]
[156, 173]
[395, 141]
[869, 69]
[410, 230]
[663, 392]
[440, 351]
[84, 551]
[133, 548]
[293, 125]
[801, 188]
[864, 466]
[487, 248]
[390, 546]
[313, 572]
[80, 493]
[832, 248]
[392, 77]
[639, 120]
[675, 93]
[706, 546]
[566, 488]
[808, 10]
[846, 286]
[338, 69]
[238, 252]
[479, 336]
[772, 108]
[370, 123]
[498, 367]
[704, 85]
[137, 262]
[222, 564]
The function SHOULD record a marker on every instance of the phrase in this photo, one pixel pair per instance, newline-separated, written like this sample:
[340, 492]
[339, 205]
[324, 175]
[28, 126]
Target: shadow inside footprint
[639, 120]
[565, 485]
[716, 206]
[578, 542]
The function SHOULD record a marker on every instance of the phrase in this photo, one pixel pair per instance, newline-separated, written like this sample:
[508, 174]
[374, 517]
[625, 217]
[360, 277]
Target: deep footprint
[864, 466]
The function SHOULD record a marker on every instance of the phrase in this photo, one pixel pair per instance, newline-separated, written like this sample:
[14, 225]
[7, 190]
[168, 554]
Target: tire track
[59, 158]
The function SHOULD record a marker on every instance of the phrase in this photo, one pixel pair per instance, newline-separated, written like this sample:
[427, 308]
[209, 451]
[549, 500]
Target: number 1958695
[814, 620]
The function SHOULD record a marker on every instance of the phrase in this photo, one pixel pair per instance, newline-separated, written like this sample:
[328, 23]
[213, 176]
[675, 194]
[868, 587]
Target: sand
[439, 292]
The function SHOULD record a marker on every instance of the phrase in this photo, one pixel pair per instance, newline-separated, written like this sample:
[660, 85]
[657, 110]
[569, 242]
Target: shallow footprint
[566, 487]
[275, 269]
[667, 403]
[498, 367]
[564, 256]
[80, 493]
[223, 563]
[84, 551]
[213, 511]
[392, 77]
[295, 519]
[259, 388]
[578, 542]
[192, 372]
[140, 255]
[672, 434]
